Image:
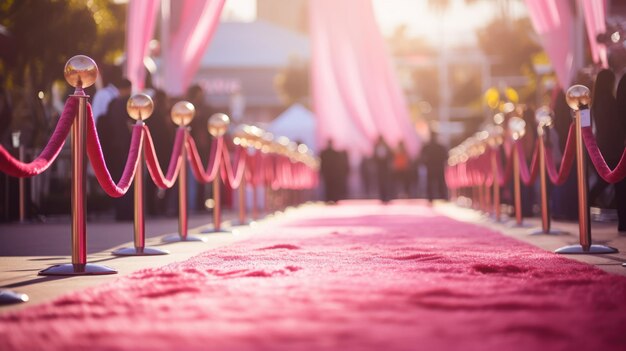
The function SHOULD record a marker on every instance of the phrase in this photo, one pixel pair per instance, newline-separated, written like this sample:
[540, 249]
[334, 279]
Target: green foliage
[292, 82]
[510, 43]
[47, 33]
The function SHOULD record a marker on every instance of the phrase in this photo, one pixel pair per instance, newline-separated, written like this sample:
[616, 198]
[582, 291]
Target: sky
[457, 26]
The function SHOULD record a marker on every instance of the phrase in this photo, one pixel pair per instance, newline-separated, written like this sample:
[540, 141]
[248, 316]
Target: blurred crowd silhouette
[387, 173]
[34, 119]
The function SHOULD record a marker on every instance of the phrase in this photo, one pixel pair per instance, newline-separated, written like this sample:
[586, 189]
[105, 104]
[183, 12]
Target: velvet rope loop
[160, 180]
[258, 174]
[208, 175]
[558, 178]
[234, 177]
[94, 151]
[16, 168]
[610, 176]
[527, 176]
[504, 173]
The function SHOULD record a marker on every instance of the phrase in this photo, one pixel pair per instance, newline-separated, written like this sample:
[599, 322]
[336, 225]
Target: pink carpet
[357, 276]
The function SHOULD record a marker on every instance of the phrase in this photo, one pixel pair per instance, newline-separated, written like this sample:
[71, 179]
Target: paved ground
[25, 249]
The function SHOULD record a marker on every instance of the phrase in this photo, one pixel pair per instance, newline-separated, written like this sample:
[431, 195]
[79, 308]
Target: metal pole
[182, 192]
[242, 201]
[21, 188]
[517, 190]
[79, 233]
[581, 172]
[217, 207]
[487, 198]
[545, 210]
[255, 210]
[139, 225]
[496, 187]
[481, 196]
[267, 203]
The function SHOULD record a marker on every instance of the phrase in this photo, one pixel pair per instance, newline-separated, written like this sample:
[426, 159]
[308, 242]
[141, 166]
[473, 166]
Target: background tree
[47, 33]
[292, 82]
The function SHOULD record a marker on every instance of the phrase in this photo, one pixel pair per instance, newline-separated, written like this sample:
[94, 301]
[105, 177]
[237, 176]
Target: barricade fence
[258, 161]
[477, 163]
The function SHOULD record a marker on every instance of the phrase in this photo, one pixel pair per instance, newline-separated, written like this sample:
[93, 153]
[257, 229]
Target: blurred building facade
[242, 63]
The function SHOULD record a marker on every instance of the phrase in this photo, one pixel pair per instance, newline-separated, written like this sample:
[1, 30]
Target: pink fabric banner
[553, 21]
[198, 21]
[595, 12]
[356, 95]
[141, 19]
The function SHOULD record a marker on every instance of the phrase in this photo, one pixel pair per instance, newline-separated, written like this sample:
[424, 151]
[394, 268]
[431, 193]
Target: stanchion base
[213, 231]
[246, 222]
[550, 232]
[493, 219]
[578, 249]
[174, 238]
[519, 225]
[77, 269]
[138, 251]
[8, 297]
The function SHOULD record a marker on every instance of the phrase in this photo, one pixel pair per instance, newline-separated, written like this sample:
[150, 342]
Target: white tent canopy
[298, 124]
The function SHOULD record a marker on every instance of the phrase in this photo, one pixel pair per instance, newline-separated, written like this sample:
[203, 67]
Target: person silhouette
[382, 158]
[433, 157]
[334, 170]
[401, 170]
[114, 132]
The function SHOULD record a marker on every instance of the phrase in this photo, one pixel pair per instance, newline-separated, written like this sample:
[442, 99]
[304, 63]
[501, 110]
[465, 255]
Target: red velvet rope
[269, 169]
[527, 176]
[15, 168]
[94, 151]
[257, 171]
[161, 181]
[251, 171]
[215, 159]
[504, 174]
[558, 178]
[610, 176]
[234, 177]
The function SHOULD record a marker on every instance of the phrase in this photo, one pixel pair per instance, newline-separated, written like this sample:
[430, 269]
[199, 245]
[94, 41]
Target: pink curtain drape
[197, 24]
[553, 21]
[595, 16]
[356, 95]
[140, 24]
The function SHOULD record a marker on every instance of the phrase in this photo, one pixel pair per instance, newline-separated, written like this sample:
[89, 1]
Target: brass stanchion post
[517, 128]
[139, 107]
[578, 98]
[496, 188]
[182, 114]
[544, 120]
[218, 124]
[80, 72]
[242, 201]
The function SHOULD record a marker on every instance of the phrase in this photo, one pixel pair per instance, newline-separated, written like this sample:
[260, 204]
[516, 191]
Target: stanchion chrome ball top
[81, 71]
[183, 113]
[543, 116]
[517, 127]
[218, 124]
[577, 96]
[140, 107]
